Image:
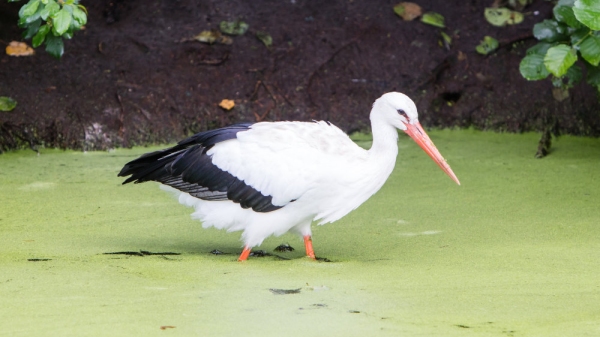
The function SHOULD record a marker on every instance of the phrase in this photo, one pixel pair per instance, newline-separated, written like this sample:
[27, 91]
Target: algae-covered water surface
[514, 251]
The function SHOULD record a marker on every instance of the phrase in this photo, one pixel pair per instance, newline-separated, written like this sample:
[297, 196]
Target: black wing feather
[188, 168]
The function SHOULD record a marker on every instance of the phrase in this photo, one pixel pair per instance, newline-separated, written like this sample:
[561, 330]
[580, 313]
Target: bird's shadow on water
[255, 253]
[226, 251]
[230, 253]
[264, 253]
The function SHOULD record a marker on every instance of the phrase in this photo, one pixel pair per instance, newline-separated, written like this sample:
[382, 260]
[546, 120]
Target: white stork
[270, 178]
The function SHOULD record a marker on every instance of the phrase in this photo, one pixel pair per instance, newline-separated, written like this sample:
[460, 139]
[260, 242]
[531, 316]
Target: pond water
[514, 251]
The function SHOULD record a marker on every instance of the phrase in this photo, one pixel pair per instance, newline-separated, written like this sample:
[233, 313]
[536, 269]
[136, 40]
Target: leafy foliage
[588, 13]
[573, 33]
[49, 21]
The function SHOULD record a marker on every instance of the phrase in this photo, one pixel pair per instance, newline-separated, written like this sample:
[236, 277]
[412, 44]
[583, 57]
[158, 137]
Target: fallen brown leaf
[227, 104]
[408, 11]
[16, 48]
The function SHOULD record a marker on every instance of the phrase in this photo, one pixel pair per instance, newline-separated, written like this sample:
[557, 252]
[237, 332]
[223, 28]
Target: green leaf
[566, 3]
[7, 103]
[550, 31]
[83, 9]
[540, 48]
[446, 40]
[236, 27]
[80, 17]
[50, 10]
[564, 13]
[588, 13]
[39, 38]
[29, 9]
[518, 4]
[62, 21]
[574, 74]
[32, 28]
[265, 38]
[68, 8]
[399, 9]
[590, 49]
[559, 59]
[557, 82]
[22, 22]
[488, 45]
[434, 19]
[68, 34]
[54, 45]
[593, 75]
[502, 16]
[75, 26]
[532, 67]
[35, 16]
[208, 36]
[13, 0]
[497, 16]
[515, 18]
[578, 35]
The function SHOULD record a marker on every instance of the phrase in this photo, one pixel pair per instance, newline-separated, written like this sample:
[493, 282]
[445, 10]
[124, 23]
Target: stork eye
[403, 113]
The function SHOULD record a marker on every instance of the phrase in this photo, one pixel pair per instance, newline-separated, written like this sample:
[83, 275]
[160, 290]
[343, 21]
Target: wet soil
[132, 77]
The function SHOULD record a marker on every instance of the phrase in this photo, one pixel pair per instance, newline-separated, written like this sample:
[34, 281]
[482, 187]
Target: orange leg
[245, 253]
[310, 252]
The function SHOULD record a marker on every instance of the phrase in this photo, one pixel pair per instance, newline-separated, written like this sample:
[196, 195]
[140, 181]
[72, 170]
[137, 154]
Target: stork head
[400, 111]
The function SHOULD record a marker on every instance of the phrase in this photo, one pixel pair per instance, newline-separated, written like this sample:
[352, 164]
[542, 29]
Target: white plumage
[307, 171]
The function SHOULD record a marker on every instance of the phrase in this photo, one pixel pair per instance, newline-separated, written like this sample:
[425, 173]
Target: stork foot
[310, 252]
[245, 254]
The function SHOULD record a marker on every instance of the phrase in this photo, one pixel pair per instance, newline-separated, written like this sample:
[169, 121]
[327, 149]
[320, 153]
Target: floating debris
[165, 327]
[284, 247]
[140, 253]
[259, 253]
[285, 291]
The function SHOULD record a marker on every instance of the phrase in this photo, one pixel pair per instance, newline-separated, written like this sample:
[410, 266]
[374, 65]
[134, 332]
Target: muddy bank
[131, 78]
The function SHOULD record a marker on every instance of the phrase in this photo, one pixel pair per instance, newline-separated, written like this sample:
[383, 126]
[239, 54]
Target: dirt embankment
[131, 78]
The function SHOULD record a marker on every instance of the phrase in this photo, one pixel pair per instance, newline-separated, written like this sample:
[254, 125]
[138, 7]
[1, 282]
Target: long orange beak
[416, 132]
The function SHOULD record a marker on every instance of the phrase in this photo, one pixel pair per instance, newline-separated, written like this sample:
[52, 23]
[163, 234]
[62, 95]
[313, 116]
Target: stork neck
[382, 155]
[385, 139]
